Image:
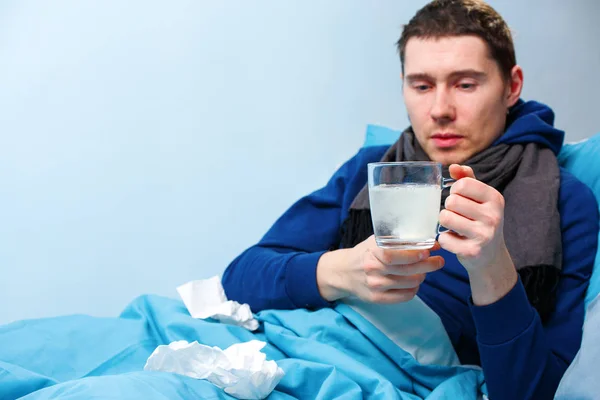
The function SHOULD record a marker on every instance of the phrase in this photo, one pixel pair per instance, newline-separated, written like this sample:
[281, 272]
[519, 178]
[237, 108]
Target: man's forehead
[444, 55]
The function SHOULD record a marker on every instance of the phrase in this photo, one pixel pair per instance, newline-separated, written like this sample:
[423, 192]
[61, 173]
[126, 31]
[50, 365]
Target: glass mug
[405, 199]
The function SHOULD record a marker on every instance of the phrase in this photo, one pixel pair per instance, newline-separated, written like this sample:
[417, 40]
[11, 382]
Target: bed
[325, 354]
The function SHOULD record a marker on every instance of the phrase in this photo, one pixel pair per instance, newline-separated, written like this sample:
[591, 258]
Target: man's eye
[421, 88]
[467, 86]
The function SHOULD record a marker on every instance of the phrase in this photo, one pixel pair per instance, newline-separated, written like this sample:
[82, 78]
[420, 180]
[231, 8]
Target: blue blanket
[326, 354]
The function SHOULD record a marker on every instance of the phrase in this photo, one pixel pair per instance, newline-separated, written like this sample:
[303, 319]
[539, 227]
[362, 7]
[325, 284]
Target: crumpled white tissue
[206, 299]
[242, 370]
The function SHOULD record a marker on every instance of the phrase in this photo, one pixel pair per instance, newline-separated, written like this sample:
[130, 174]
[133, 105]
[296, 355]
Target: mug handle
[446, 184]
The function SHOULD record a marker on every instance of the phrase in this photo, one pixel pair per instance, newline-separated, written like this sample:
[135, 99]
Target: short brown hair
[444, 18]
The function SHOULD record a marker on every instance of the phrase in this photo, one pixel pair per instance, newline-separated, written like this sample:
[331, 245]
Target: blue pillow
[380, 135]
[582, 159]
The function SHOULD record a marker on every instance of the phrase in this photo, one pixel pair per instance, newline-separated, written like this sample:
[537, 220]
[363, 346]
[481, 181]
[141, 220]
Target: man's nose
[443, 109]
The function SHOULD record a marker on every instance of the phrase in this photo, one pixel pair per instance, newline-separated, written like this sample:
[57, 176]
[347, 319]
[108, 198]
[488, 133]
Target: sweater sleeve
[279, 272]
[521, 358]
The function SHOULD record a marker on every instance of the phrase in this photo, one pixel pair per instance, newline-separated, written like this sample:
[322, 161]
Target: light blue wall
[144, 143]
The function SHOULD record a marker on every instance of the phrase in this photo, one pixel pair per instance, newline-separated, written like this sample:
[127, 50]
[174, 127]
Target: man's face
[455, 96]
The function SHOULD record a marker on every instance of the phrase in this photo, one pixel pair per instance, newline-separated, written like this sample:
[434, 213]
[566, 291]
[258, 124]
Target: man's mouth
[445, 140]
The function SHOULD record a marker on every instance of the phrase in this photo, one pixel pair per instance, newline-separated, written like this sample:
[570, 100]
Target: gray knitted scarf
[528, 177]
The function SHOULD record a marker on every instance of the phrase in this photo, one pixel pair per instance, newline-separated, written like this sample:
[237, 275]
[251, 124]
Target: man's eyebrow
[419, 77]
[463, 73]
[468, 73]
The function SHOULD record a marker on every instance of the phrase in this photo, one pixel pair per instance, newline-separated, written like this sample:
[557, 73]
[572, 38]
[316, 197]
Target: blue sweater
[520, 357]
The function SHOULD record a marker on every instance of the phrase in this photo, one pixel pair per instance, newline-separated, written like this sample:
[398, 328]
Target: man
[523, 232]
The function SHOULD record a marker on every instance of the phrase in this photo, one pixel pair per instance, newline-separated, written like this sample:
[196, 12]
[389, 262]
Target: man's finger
[399, 257]
[457, 223]
[453, 243]
[382, 283]
[461, 171]
[430, 265]
[463, 206]
[473, 189]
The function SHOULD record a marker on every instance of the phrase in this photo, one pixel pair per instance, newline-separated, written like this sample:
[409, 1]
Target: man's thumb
[461, 171]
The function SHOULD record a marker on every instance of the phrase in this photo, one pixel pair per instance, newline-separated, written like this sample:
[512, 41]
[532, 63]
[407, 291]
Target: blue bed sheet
[326, 354]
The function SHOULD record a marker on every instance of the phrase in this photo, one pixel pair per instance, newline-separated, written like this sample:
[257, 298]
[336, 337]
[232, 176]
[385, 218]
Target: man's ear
[514, 86]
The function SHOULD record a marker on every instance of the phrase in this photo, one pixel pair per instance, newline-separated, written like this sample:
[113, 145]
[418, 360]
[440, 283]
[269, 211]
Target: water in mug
[405, 215]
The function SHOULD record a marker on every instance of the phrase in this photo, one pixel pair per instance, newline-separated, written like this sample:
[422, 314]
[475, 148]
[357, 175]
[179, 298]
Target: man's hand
[374, 274]
[474, 212]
